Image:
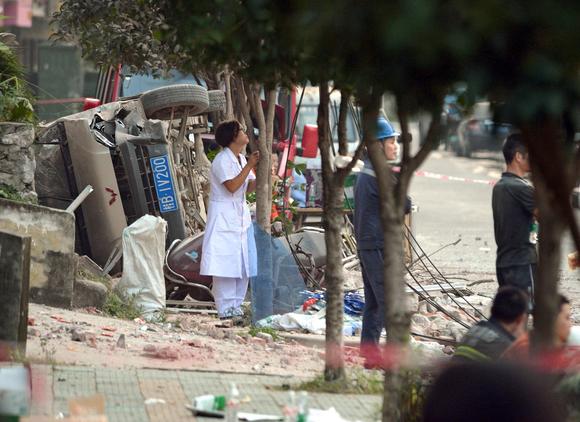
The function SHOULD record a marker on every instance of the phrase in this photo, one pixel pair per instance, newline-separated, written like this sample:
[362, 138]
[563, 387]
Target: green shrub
[10, 193]
[15, 98]
[255, 330]
[121, 306]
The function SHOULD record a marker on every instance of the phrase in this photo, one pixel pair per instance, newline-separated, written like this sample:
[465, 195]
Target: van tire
[217, 101]
[159, 102]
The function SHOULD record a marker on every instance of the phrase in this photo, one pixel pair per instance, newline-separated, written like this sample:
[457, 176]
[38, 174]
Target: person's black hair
[226, 132]
[481, 392]
[513, 143]
[509, 304]
[562, 300]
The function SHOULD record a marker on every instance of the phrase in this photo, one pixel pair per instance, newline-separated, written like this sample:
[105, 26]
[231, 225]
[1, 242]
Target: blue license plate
[164, 183]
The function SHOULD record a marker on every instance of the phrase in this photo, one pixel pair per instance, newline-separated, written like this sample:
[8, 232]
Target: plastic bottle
[233, 404]
[534, 233]
[209, 402]
[302, 407]
[312, 196]
[290, 410]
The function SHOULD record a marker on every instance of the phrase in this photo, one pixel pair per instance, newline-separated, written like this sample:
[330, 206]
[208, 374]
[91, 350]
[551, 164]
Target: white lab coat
[226, 243]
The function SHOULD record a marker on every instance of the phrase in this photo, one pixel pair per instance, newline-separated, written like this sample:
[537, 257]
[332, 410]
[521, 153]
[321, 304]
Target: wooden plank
[192, 311]
[193, 303]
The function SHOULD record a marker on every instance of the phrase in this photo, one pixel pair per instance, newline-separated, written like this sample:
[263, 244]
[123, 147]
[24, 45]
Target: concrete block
[52, 233]
[14, 279]
[89, 293]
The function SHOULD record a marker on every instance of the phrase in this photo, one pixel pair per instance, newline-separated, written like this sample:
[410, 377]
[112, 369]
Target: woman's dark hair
[509, 304]
[226, 132]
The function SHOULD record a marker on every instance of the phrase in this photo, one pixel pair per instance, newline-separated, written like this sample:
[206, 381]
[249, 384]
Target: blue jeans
[374, 311]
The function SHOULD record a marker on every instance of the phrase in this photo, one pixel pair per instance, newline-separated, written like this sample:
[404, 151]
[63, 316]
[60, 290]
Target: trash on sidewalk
[81, 409]
[209, 402]
[243, 416]
[319, 415]
[210, 405]
[311, 316]
[152, 400]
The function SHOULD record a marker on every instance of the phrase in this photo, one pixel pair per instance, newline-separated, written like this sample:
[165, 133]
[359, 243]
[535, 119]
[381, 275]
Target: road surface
[454, 210]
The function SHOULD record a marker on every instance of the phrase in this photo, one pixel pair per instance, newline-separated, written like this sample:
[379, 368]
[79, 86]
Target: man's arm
[524, 194]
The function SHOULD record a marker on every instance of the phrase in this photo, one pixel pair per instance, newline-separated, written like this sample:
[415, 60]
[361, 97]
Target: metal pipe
[79, 199]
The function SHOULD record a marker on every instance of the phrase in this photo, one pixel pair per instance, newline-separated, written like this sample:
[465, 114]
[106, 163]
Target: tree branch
[431, 141]
[357, 154]
[243, 101]
[323, 132]
[342, 118]
[229, 104]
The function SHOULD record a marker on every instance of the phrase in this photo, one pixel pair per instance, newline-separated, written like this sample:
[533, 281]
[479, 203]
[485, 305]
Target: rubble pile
[179, 342]
[429, 321]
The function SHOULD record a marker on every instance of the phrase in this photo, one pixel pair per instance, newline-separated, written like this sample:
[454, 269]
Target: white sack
[143, 255]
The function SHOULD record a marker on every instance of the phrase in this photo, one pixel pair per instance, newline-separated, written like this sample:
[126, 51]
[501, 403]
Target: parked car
[478, 131]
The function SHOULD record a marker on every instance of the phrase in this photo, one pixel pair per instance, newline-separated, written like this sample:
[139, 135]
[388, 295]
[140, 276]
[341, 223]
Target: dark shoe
[238, 321]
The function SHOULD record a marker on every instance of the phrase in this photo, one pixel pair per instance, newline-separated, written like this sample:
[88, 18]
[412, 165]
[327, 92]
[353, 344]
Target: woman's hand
[253, 159]
[234, 184]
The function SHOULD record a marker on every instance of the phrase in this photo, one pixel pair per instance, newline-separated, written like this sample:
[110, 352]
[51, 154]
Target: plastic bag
[143, 254]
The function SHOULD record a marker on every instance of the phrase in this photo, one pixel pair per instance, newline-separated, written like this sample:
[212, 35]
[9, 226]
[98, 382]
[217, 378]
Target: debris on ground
[181, 341]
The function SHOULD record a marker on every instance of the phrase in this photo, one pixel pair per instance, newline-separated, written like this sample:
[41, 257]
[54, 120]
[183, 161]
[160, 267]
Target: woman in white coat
[228, 241]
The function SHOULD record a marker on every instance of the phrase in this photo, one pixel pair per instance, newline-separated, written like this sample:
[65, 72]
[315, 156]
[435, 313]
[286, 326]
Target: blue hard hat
[385, 129]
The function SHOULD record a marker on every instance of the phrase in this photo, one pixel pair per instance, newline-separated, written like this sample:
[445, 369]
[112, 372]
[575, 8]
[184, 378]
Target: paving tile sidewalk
[126, 390]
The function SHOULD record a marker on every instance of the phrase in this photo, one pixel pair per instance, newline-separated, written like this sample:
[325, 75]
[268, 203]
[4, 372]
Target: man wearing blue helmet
[368, 232]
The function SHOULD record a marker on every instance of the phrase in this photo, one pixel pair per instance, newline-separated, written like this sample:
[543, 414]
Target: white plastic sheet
[143, 254]
[315, 323]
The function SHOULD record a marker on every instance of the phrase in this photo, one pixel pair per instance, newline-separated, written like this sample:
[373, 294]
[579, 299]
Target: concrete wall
[52, 268]
[17, 162]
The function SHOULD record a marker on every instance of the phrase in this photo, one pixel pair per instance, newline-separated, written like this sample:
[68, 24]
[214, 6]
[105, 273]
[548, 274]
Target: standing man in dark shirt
[368, 231]
[514, 219]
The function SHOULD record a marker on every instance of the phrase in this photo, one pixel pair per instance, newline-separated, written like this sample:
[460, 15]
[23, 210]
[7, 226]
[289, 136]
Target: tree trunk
[263, 287]
[546, 287]
[547, 178]
[242, 101]
[333, 192]
[270, 115]
[229, 104]
[397, 319]
[212, 81]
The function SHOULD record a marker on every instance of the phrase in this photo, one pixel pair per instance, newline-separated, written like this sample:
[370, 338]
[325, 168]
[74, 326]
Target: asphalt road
[455, 210]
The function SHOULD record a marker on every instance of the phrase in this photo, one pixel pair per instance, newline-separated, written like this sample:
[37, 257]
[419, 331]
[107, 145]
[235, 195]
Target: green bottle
[302, 407]
[534, 232]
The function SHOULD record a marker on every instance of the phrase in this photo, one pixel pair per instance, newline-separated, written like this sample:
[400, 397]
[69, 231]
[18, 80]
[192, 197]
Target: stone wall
[52, 267]
[17, 162]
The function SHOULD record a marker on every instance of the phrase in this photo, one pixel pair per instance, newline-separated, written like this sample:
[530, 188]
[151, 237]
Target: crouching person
[488, 340]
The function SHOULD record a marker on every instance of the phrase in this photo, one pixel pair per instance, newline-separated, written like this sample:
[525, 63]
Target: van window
[308, 114]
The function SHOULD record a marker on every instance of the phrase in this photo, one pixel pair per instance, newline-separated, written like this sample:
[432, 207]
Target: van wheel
[466, 151]
[217, 101]
[159, 102]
